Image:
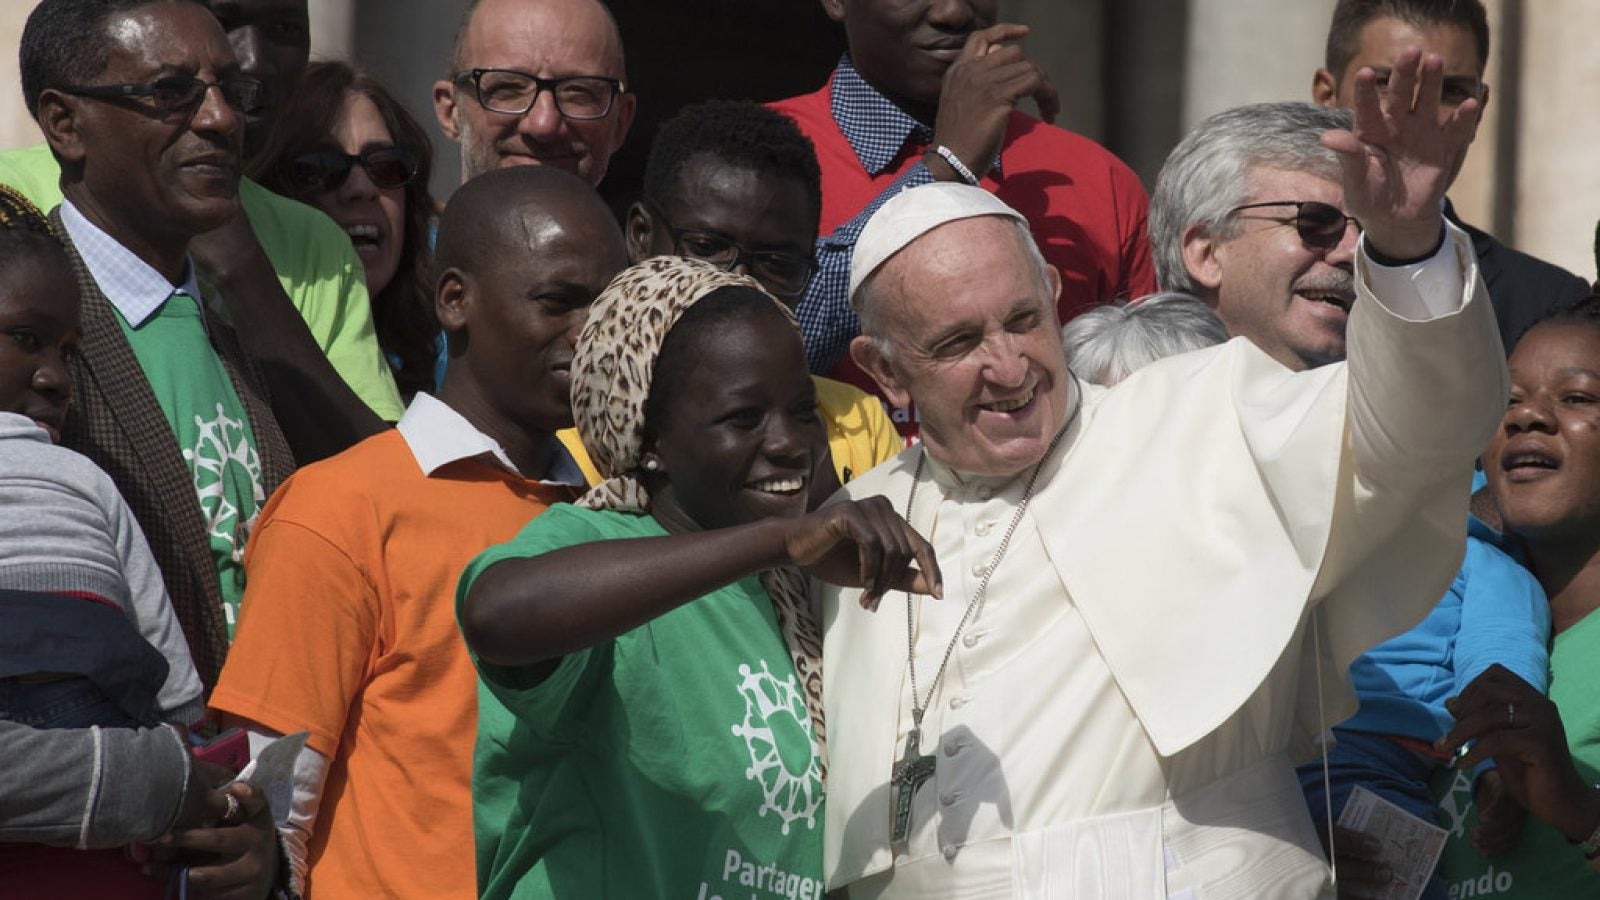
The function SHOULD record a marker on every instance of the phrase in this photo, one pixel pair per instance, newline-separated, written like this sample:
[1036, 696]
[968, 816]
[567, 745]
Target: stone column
[1066, 40]
[1557, 195]
[17, 128]
[406, 44]
[333, 28]
[1251, 51]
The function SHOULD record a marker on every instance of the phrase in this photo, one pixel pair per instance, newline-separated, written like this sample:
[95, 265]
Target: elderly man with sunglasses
[284, 274]
[1249, 216]
[536, 83]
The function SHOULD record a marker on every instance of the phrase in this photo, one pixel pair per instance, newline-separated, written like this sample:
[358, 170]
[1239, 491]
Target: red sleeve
[1138, 274]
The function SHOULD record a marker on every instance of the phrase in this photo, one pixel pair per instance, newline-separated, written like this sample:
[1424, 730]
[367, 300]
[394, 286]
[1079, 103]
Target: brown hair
[1350, 17]
[403, 313]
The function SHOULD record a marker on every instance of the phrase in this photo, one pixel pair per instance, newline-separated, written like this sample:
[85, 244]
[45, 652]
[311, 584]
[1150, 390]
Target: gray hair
[865, 300]
[1204, 178]
[1111, 342]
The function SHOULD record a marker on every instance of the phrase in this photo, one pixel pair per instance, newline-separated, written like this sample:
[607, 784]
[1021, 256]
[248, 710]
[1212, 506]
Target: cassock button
[951, 748]
[978, 569]
[970, 639]
[958, 702]
[949, 851]
[984, 528]
[948, 798]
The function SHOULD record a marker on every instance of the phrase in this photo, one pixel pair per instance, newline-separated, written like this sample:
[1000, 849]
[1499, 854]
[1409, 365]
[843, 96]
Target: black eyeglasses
[513, 93]
[786, 275]
[326, 170]
[179, 93]
[1320, 225]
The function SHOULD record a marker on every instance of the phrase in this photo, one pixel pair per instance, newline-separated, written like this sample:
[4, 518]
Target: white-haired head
[1108, 343]
[1205, 176]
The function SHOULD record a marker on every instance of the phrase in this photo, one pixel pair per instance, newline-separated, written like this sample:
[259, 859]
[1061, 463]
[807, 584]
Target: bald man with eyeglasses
[536, 83]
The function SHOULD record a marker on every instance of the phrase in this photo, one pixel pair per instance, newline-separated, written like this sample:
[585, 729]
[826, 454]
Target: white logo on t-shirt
[792, 787]
[220, 442]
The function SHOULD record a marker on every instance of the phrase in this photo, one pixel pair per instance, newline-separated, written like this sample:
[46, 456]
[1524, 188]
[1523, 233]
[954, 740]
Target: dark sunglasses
[1319, 225]
[179, 93]
[326, 170]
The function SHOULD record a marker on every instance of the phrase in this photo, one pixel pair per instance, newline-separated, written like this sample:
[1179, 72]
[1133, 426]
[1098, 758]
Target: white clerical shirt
[1072, 763]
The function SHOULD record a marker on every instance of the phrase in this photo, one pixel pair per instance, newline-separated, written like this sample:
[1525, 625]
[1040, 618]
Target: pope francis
[1151, 592]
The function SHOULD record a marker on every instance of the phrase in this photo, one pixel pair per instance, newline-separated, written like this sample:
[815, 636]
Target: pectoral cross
[909, 774]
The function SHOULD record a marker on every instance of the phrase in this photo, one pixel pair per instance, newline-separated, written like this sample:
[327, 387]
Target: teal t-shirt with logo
[212, 430]
[675, 761]
[1543, 866]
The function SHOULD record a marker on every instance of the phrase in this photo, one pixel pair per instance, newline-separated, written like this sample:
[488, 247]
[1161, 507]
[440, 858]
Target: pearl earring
[651, 465]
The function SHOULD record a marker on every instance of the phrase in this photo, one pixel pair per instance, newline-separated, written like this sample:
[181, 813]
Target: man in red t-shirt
[928, 92]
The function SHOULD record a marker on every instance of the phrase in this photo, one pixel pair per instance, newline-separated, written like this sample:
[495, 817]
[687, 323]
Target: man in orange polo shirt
[348, 628]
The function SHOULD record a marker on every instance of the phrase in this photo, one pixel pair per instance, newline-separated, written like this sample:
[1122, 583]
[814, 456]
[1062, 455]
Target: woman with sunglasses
[347, 147]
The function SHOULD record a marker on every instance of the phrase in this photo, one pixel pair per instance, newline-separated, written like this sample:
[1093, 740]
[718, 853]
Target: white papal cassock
[1120, 717]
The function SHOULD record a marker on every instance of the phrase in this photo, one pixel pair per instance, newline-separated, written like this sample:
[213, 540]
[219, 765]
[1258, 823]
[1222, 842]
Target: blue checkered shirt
[877, 130]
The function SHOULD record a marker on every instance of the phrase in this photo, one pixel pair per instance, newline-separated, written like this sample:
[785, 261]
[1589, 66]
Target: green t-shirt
[673, 762]
[315, 262]
[212, 430]
[1543, 866]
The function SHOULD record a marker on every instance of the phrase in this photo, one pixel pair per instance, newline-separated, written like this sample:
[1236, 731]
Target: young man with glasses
[1248, 215]
[536, 82]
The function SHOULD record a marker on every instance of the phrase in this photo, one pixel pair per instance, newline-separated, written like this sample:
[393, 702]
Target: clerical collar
[954, 481]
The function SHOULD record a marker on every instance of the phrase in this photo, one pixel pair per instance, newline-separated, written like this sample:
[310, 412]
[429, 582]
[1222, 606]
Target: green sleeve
[548, 706]
[34, 172]
[323, 277]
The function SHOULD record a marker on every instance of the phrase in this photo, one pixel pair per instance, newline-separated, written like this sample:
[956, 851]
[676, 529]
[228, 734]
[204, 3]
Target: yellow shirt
[860, 435]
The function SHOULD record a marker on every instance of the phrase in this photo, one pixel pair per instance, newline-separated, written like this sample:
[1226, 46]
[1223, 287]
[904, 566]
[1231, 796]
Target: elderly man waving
[1151, 592]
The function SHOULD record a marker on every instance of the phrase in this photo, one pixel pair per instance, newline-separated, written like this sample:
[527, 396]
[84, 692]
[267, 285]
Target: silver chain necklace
[913, 769]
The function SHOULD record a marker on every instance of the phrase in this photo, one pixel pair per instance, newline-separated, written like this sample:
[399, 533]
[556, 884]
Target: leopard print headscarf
[612, 368]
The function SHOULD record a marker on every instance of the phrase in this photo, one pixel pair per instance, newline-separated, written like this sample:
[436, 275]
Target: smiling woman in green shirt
[1543, 470]
[650, 690]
